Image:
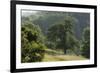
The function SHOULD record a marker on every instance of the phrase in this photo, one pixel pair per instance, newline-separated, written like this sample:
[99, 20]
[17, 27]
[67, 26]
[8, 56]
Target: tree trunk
[64, 51]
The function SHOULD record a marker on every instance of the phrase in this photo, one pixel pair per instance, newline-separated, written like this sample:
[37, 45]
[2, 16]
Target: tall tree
[61, 33]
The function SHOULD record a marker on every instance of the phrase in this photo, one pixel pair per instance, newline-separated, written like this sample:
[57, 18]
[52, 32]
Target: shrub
[32, 49]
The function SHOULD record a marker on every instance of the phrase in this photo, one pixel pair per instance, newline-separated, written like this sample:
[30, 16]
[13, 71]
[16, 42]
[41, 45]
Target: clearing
[52, 55]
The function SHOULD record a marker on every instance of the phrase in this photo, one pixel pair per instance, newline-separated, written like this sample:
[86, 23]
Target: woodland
[54, 36]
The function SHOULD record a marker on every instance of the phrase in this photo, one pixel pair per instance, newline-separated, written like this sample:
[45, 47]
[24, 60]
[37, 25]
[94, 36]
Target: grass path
[49, 57]
[52, 55]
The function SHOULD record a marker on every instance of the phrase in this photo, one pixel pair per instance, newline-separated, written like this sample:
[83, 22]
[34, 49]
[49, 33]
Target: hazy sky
[27, 12]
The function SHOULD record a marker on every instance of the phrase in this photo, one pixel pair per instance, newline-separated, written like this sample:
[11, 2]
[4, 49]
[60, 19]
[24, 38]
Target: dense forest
[54, 36]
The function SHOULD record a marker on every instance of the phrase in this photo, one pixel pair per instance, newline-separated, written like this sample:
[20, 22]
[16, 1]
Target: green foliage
[86, 43]
[61, 35]
[32, 46]
[46, 18]
[56, 30]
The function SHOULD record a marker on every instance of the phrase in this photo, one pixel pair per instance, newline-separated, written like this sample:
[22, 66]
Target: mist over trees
[48, 33]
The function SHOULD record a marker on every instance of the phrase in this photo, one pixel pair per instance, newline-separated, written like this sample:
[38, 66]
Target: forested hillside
[46, 19]
[49, 36]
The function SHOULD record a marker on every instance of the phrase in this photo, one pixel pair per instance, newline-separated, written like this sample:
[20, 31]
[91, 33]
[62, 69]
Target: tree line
[59, 35]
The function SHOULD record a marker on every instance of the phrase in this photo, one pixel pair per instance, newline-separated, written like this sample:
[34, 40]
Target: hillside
[45, 20]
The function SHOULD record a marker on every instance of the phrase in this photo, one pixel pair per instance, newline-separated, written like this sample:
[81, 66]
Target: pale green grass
[50, 51]
[49, 57]
[57, 55]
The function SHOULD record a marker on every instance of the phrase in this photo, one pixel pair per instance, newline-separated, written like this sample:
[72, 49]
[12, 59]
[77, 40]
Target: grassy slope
[50, 56]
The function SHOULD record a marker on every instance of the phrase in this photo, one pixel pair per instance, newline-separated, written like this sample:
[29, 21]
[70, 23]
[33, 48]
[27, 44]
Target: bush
[32, 49]
[36, 53]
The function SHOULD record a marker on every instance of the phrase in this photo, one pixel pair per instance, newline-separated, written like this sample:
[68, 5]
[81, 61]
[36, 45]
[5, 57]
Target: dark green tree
[32, 47]
[86, 43]
[61, 34]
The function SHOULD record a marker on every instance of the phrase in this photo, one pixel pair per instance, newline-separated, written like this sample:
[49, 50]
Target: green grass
[49, 57]
[53, 55]
[53, 52]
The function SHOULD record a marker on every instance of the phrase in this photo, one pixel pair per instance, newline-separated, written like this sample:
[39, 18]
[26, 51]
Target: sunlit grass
[49, 57]
[54, 55]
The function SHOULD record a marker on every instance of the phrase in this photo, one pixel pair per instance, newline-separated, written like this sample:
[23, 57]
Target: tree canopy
[61, 35]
